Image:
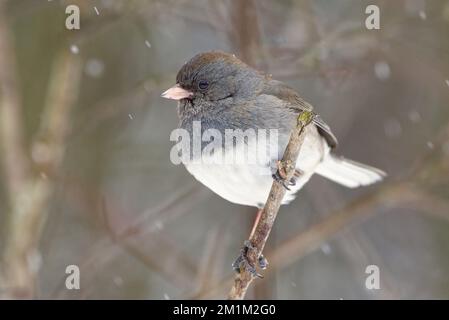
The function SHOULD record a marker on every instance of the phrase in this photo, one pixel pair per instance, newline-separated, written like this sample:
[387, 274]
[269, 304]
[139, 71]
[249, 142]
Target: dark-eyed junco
[222, 93]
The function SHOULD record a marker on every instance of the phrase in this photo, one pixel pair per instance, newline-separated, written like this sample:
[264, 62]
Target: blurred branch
[391, 196]
[15, 160]
[264, 225]
[246, 37]
[429, 204]
[168, 254]
[213, 251]
[298, 246]
[293, 249]
[157, 253]
[30, 204]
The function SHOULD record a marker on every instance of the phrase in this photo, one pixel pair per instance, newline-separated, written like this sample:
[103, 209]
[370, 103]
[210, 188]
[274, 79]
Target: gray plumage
[225, 94]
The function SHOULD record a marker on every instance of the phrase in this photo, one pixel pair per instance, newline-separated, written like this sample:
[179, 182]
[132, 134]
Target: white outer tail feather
[348, 173]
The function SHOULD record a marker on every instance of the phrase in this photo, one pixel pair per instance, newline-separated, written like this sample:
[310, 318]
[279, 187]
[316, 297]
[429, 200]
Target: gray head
[213, 80]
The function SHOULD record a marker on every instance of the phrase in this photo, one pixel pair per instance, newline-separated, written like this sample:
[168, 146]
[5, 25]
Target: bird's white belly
[249, 183]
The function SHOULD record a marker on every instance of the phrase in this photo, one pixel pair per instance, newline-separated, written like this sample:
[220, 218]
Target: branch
[15, 160]
[264, 225]
[28, 211]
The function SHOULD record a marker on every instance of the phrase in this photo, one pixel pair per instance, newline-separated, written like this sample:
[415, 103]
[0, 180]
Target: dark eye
[203, 84]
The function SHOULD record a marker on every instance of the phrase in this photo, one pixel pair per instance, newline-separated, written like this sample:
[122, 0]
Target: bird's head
[211, 77]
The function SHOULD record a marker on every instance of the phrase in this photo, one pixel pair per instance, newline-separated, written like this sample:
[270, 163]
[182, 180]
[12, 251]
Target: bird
[220, 92]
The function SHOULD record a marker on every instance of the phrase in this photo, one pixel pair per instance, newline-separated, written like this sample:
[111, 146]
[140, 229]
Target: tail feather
[348, 173]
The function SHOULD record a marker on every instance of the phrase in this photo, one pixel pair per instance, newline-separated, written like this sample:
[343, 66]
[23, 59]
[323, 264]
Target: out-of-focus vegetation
[86, 177]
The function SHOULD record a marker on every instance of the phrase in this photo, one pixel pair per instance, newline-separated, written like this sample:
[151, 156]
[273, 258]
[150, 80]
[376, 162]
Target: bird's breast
[242, 172]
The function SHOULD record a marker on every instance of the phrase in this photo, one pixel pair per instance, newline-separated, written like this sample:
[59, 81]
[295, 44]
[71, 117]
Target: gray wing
[295, 102]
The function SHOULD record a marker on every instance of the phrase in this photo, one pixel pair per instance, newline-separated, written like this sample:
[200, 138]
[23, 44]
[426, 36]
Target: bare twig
[271, 208]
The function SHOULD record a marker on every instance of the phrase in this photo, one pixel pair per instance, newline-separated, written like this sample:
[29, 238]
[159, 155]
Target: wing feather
[295, 102]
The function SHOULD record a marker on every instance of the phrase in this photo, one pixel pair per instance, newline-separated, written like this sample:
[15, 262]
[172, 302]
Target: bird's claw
[242, 262]
[263, 262]
[277, 176]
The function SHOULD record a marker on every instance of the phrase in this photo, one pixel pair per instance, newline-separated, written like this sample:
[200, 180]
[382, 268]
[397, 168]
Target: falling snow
[34, 260]
[422, 15]
[414, 116]
[447, 82]
[382, 70]
[430, 145]
[130, 116]
[159, 225]
[96, 11]
[94, 68]
[147, 43]
[166, 296]
[118, 281]
[326, 249]
[74, 49]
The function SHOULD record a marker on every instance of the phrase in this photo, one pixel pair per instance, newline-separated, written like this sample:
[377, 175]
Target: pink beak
[176, 93]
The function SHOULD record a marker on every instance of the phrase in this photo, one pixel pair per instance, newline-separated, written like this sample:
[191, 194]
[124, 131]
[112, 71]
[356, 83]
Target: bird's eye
[203, 84]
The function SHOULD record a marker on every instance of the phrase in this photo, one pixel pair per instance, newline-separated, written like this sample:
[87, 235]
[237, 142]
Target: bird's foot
[277, 176]
[242, 261]
[281, 176]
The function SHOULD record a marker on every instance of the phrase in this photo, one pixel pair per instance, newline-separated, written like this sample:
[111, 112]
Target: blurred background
[86, 178]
